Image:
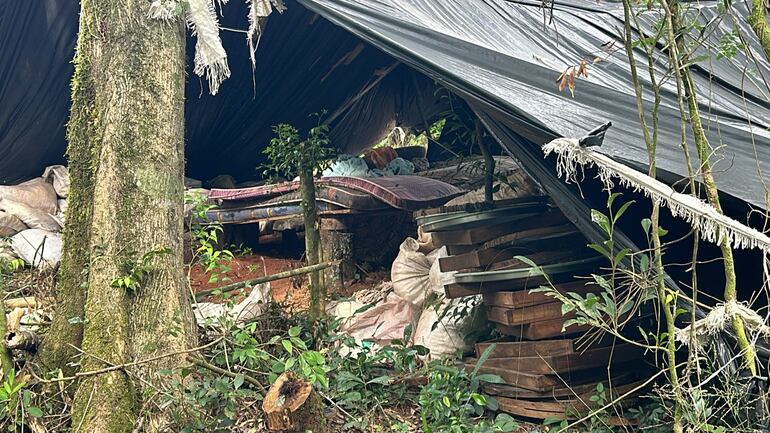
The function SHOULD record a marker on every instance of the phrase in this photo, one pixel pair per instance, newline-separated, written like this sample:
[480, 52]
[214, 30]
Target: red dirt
[254, 266]
[293, 292]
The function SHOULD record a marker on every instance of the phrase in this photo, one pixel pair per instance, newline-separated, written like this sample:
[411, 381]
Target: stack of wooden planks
[549, 370]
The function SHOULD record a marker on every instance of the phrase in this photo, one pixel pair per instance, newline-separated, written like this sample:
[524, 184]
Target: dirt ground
[291, 292]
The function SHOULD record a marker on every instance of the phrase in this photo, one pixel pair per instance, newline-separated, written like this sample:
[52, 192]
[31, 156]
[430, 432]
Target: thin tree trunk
[758, 21]
[703, 149]
[138, 97]
[312, 242]
[6, 358]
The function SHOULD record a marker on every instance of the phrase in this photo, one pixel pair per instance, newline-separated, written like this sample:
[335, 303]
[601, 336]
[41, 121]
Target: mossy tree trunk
[58, 350]
[704, 151]
[312, 242]
[758, 21]
[135, 70]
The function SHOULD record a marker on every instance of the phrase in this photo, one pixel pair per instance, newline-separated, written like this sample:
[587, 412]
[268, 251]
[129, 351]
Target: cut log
[22, 340]
[291, 405]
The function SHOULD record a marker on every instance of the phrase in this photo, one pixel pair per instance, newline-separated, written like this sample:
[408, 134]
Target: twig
[129, 364]
[201, 363]
[265, 279]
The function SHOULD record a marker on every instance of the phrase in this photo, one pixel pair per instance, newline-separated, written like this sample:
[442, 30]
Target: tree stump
[337, 246]
[291, 405]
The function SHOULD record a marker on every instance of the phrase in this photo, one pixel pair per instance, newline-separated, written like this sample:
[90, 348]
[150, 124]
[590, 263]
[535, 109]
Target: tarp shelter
[357, 59]
[503, 56]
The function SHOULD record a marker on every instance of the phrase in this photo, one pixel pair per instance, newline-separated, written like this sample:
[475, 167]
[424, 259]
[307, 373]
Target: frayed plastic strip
[258, 11]
[713, 226]
[718, 320]
[210, 55]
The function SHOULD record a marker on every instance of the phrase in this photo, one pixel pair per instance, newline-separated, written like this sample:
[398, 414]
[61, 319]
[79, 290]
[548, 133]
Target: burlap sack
[36, 193]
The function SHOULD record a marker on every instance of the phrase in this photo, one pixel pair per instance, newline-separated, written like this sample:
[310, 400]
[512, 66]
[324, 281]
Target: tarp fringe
[165, 10]
[713, 226]
[259, 10]
[210, 55]
[718, 320]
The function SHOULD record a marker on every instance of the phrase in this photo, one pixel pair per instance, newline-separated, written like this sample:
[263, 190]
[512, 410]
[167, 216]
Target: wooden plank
[479, 235]
[534, 382]
[542, 330]
[514, 280]
[569, 409]
[524, 298]
[526, 315]
[545, 382]
[622, 384]
[541, 258]
[526, 242]
[527, 348]
[571, 362]
[540, 235]
[474, 259]
[475, 207]
[561, 346]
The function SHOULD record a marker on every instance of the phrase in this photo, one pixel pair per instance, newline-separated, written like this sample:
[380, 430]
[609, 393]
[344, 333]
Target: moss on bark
[136, 91]
[312, 242]
[66, 333]
[758, 21]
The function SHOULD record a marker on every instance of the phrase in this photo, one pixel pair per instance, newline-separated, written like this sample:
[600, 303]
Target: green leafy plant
[290, 156]
[137, 271]
[16, 402]
[214, 260]
[452, 401]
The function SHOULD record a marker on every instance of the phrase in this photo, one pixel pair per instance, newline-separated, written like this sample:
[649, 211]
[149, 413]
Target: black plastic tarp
[508, 55]
[305, 64]
[500, 54]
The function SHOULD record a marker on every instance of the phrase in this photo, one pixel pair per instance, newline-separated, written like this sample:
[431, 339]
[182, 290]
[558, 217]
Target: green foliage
[16, 402]
[11, 266]
[363, 381]
[367, 379]
[205, 235]
[452, 401]
[136, 272]
[288, 154]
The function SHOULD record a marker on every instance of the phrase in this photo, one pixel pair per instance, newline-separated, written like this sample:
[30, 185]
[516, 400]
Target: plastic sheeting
[498, 54]
[305, 64]
[501, 56]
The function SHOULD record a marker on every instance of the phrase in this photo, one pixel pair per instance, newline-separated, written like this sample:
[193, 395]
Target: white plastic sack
[443, 329]
[36, 193]
[39, 248]
[207, 313]
[10, 225]
[59, 177]
[410, 272]
[383, 322]
[62, 205]
[31, 217]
